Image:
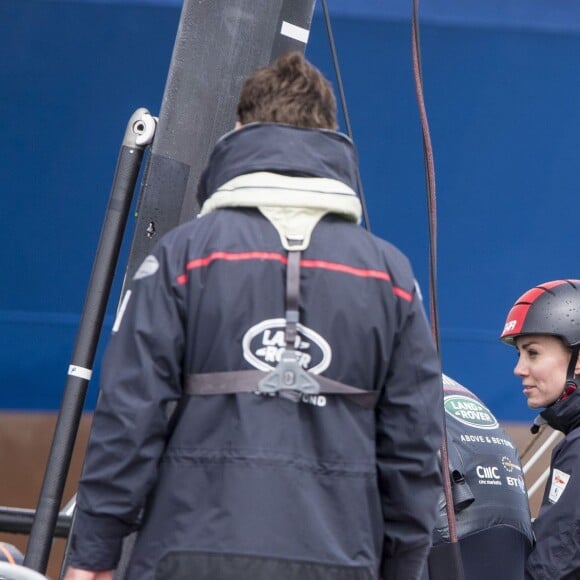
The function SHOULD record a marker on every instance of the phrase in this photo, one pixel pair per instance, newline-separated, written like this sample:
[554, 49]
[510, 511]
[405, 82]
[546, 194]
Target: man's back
[295, 481]
[298, 480]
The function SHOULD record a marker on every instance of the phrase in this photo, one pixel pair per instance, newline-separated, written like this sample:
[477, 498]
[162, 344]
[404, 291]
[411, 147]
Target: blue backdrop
[502, 89]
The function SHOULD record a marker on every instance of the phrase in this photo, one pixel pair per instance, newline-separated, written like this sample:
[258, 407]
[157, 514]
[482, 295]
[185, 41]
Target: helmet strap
[571, 384]
[569, 388]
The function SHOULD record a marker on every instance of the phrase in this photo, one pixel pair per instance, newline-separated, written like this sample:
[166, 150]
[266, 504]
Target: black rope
[430, 181]
[344, 108]
[455, 555]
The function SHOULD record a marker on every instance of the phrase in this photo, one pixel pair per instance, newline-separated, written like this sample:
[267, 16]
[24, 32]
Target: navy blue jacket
[556, 555]
[490, 499]
[249, 486]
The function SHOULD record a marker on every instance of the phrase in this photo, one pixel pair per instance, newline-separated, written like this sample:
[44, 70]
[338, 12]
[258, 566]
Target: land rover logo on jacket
[470, 412]
[264, 342]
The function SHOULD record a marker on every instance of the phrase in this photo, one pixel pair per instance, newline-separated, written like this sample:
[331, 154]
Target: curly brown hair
[290, 91]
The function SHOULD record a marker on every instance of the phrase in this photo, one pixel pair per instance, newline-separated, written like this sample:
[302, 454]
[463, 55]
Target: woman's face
[542, 365]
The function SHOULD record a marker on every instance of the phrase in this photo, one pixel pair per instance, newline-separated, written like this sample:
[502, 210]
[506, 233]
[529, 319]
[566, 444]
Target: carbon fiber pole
[20, 520]
[138, 135]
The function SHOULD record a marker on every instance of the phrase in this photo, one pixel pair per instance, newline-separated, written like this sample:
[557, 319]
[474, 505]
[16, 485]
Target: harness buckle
[289, 376]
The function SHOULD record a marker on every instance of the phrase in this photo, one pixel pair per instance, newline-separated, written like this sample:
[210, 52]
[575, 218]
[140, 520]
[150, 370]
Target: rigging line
[538, 483]
[429, 177]
[431, 203]
[344, 107]
[533, 441]
[546, 444]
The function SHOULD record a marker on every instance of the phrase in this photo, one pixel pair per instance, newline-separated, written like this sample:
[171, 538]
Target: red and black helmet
[549, 308]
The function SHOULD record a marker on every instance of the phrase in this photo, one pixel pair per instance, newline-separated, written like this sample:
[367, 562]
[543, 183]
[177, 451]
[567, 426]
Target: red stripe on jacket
[320, 264]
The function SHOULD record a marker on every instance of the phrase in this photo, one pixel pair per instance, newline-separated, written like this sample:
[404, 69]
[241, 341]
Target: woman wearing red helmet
[544, 327]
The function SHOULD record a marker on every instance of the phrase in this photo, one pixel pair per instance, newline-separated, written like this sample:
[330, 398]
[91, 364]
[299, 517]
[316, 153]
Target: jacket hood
[283, 149]
[564, 415]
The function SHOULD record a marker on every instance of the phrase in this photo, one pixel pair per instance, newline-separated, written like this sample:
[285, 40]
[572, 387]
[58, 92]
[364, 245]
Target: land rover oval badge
[470, 412]
[264, 342]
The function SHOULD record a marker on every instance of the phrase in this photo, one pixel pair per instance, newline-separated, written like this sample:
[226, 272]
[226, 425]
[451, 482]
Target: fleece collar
[294, 205]
[263, 189]
[293, 176]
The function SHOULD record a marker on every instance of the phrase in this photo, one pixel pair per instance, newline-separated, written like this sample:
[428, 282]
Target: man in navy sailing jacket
[302, 480]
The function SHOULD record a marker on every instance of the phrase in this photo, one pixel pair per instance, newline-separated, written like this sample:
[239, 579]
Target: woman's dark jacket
[557, 527]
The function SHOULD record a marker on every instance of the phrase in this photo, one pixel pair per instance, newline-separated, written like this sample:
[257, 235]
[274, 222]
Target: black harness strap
[288, 378]
[232, 382]
[292, 298]
[571, 372]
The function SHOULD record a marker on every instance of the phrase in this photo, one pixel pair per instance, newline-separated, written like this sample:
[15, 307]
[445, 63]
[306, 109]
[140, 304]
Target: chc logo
[488, 475]
[487, 472]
